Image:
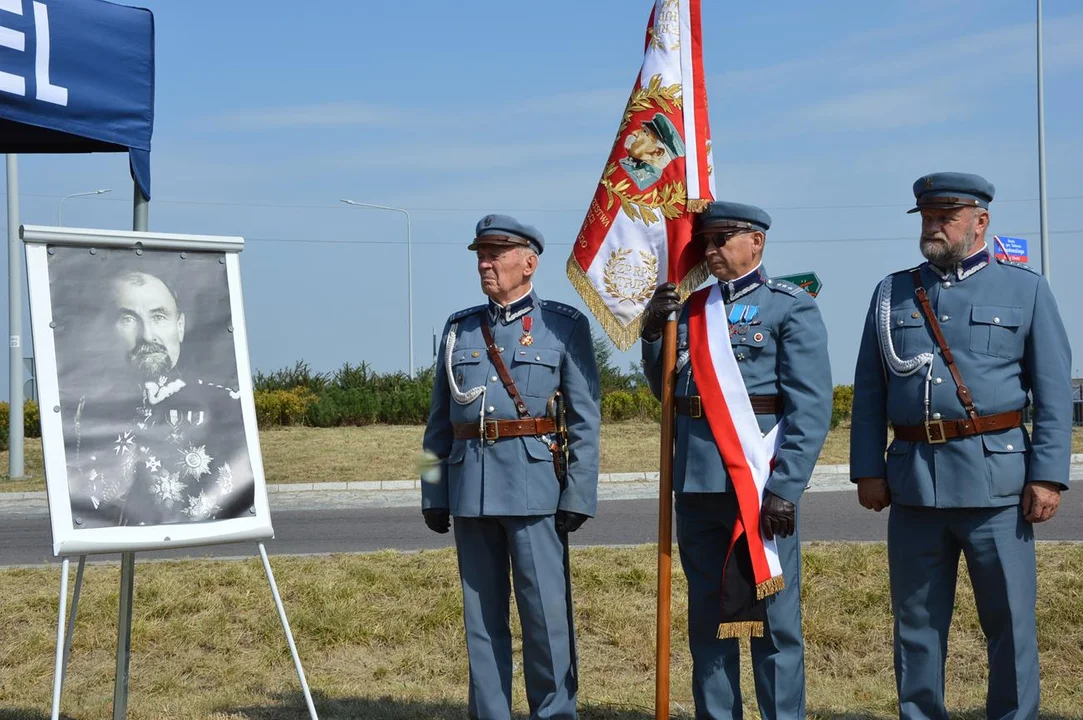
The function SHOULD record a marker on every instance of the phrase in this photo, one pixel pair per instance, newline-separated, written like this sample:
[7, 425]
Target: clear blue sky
[823, 113]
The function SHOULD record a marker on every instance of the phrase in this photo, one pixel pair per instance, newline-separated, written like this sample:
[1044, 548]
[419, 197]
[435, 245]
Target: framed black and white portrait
[145, 390]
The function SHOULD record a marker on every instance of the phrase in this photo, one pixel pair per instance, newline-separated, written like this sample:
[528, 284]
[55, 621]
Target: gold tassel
[770, 587]
[697, 205]
[747, 629]
[623, 336]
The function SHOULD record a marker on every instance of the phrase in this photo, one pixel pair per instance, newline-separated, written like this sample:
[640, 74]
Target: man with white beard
[950, 352]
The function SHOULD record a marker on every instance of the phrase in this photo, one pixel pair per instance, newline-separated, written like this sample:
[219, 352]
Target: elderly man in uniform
[950, 351]
[514, 423]
[154, 444]
[780, 344]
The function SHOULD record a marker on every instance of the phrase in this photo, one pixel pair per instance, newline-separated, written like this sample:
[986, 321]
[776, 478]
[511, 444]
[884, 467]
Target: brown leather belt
[936, 432]
[496, 429]
[692, 405]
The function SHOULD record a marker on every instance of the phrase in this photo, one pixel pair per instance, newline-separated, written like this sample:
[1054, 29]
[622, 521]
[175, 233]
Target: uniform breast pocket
[536, 371]
[908, 333]
[996, 330]
[466, 366]
[752, 344]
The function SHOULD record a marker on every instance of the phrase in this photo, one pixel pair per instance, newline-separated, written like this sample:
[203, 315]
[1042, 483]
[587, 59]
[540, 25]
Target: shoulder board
[561, 308]
[1021, 266]
[784, 286]
[907, 271]
[466, 313]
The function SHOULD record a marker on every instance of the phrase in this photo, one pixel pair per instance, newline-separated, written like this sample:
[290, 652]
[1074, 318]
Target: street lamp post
[60, 205]
[409, 275]
[1043, 214]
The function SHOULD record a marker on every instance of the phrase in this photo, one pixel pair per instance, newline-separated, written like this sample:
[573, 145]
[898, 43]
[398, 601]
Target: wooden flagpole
[665, 521]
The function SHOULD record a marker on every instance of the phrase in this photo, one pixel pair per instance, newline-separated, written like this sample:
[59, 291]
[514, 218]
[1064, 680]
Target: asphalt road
[25, 538]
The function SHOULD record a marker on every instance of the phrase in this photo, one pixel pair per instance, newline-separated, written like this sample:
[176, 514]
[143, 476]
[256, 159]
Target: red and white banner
[745, 451]
[638, 231]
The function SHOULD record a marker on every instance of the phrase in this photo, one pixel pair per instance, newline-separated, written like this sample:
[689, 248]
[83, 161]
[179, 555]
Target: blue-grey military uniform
[780, 343]
[1002, 326]
[503, 493]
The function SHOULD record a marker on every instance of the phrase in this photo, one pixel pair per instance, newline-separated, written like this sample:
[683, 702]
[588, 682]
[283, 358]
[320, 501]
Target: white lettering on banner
[46, 90]
[16, 40]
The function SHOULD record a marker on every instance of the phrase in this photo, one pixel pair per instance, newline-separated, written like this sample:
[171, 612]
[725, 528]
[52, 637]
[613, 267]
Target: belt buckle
[695, 406]
[494, 434]
[934, 432]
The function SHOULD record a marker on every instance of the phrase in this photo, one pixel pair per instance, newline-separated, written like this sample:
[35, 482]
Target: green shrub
[842, 404]
[300, 375]
[638, 404]
[283, 407]
[31, 422]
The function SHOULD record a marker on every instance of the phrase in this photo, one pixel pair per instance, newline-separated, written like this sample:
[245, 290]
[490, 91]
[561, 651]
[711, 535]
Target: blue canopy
[77, 76]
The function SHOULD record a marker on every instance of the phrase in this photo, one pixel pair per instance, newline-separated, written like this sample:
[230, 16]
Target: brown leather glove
[777, 516]
[665, 300]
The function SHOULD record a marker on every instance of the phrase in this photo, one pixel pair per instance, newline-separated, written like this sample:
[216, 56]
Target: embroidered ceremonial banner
[747, 454]
[637, 231]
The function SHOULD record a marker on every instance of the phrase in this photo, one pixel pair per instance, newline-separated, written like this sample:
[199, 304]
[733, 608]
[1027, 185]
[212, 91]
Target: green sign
[809, 281]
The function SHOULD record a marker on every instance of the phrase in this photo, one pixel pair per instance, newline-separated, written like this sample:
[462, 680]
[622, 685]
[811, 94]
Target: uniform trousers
[924, 545]
[704, 527]
[538, 560]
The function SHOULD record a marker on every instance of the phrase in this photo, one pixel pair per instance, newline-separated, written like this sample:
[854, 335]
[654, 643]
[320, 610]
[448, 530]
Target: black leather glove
[777, 516]
[665, 300]
[569, 522]
[438, 519]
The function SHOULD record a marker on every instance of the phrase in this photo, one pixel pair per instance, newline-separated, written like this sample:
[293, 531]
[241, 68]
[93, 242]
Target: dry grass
[388, 452]
[381, 637]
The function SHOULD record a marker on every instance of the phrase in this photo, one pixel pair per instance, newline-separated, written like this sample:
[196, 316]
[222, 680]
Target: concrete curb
[824, 477]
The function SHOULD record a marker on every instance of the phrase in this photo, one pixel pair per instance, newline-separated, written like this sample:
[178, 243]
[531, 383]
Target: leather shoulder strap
[962, 391]
[502, 370]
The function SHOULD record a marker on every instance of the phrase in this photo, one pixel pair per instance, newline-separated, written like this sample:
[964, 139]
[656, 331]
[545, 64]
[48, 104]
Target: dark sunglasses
[719, 239]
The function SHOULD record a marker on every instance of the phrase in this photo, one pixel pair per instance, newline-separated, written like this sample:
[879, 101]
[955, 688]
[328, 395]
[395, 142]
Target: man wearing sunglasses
[779, 343]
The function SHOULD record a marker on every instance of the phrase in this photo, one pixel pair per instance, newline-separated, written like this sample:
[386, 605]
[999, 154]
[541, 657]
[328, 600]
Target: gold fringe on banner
[697, 205]
[770, 587]
[623, 336]
[747, 629]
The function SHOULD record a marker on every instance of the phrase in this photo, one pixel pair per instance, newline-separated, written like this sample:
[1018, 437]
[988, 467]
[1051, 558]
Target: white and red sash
[746, 453]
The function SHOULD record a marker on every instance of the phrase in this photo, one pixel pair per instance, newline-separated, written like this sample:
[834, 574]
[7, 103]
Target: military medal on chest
[742, 318]
[527, 338]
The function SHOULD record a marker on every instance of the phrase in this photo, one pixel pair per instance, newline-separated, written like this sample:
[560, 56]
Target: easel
[138, 240]
[124, 632]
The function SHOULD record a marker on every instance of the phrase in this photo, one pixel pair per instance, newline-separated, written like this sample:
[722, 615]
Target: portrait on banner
[148, 381]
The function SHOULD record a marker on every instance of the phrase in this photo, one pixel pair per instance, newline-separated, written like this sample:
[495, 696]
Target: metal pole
[58, 667]
[15, 324]
[409, 276]
[124, 636]
[140, 217]
[140, 211]
[289, 633]
[1042, 209]
[71, 619]
[60, 205]
[410, 294]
